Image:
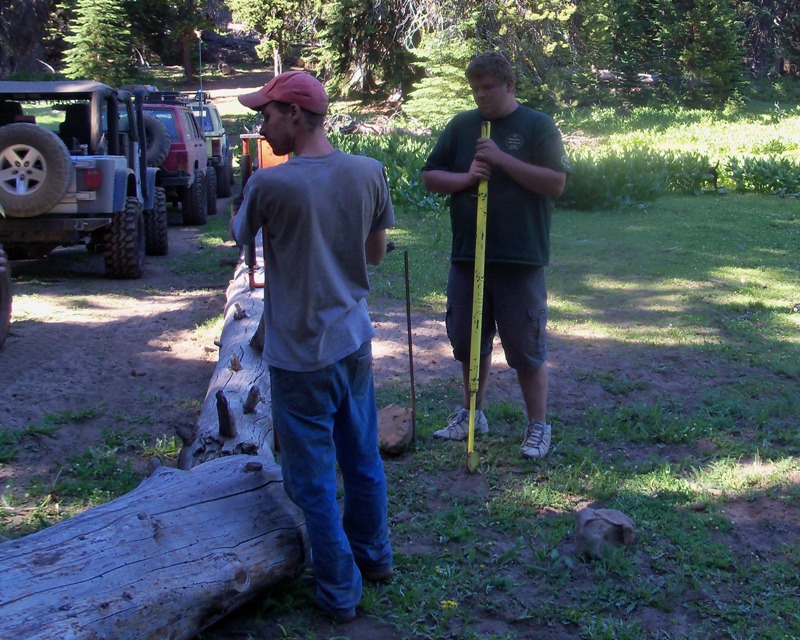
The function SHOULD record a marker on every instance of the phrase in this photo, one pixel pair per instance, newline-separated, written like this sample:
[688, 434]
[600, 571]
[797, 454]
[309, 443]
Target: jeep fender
[124, 185]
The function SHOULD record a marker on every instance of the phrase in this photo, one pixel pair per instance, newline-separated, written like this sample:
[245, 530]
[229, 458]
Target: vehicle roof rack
[178, 97]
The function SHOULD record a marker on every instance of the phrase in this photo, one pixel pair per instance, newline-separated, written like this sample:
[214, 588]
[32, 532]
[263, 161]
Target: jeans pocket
[361, 377]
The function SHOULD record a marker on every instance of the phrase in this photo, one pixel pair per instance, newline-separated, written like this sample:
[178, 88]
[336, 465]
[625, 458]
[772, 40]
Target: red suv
[180, 150]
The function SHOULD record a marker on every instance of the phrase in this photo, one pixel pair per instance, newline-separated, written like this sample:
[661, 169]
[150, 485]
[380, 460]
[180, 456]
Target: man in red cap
[323, 215]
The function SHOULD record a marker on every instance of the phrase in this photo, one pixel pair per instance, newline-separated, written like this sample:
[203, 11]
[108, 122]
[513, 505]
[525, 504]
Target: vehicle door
[195, 142]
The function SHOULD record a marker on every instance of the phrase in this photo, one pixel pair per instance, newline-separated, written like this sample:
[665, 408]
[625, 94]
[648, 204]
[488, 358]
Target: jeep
[184, 171]
[220, 153]
[72, 172]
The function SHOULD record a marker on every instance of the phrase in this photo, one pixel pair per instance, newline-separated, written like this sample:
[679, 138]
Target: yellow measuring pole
[477, 310]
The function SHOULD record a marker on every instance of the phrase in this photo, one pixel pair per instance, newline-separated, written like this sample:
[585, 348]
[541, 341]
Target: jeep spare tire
[156, 139]
[35, 169]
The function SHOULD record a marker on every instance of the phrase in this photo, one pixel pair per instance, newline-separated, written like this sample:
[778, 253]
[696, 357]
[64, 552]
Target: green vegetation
[99, 39]
[93, 477]
[677, 326]
[212, 258]
[627, 162]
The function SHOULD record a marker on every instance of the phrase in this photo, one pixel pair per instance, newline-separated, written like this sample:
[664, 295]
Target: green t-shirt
[518, 220]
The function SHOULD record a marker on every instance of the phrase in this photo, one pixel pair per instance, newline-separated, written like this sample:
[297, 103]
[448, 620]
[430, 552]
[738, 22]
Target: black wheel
[5, 295]
[157, 140]
[224, 178]
[211, 190]
[125, 242]
[195, 202]
[35, 169]
[155, 225]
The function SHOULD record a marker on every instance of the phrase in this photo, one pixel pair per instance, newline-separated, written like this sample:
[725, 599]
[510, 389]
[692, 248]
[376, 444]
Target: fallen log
[164, 561]
[235, 417]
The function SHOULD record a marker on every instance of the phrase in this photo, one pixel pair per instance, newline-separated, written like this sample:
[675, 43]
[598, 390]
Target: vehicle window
[124, 120]
[190, 125]
[204, 121]
[167, 117]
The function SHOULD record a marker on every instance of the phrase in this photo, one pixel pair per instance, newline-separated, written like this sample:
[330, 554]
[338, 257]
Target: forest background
[567, 53]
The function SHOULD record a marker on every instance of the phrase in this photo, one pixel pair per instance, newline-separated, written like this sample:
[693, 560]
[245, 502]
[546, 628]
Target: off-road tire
[124, 242]
[5, 297]
[157, 140]
[35, 169]
[211, 190]
[156, 222]
[195, 202]
[224, 178]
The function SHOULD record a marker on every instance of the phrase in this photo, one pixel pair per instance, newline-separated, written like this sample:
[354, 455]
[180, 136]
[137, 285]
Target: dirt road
[88, 356]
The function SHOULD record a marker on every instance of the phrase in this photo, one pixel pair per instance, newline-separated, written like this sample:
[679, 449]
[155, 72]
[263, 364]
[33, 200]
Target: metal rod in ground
[410, 351]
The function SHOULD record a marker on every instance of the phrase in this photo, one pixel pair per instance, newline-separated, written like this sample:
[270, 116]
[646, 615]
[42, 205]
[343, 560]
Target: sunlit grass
[775, 132]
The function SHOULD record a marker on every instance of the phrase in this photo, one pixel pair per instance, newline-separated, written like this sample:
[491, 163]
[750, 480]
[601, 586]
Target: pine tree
[101, 43]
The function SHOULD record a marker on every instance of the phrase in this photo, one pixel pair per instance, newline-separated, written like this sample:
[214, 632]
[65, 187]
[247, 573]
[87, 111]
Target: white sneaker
[458, 425]
[537, 440]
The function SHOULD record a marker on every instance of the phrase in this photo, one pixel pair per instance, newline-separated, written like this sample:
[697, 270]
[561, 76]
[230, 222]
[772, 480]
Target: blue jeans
[322, 417]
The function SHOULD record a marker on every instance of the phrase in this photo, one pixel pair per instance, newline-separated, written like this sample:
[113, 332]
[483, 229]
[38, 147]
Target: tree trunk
[186, 55]
[164, 561]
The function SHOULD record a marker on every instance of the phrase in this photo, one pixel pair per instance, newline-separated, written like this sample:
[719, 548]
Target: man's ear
[295, 111]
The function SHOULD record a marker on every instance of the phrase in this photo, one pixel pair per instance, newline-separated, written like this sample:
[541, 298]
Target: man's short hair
[312, 120]
[490, 64]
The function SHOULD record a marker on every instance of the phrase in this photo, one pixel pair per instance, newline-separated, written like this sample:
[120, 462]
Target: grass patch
[214, 257]
[707, 285]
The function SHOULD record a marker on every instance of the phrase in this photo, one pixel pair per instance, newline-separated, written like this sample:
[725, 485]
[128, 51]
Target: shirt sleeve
[553, 155]
[247, 221]
[440, 159]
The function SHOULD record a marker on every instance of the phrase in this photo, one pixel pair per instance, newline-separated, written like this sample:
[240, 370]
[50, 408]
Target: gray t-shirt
[316, 214]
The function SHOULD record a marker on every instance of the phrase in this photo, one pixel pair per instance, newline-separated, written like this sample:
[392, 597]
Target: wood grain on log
[164, 561]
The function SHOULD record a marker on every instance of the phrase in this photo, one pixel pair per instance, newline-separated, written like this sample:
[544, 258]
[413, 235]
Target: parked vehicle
[220, 152]
[73, 171]
[184, 171]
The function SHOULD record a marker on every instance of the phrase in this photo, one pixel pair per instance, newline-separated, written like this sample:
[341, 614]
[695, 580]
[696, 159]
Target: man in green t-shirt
[526, 166]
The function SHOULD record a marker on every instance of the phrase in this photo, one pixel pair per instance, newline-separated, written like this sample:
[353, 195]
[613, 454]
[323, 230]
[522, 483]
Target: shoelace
[535, 435]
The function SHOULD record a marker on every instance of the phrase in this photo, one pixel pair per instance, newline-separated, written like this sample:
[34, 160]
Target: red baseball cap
[292, 87]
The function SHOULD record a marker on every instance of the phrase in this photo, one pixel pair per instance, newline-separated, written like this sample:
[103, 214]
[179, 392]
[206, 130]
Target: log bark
[241, 378]
[164, 561]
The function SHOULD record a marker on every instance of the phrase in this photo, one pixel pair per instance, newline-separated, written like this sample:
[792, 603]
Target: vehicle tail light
[216, 147]
[182, 161]
[93, 178]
